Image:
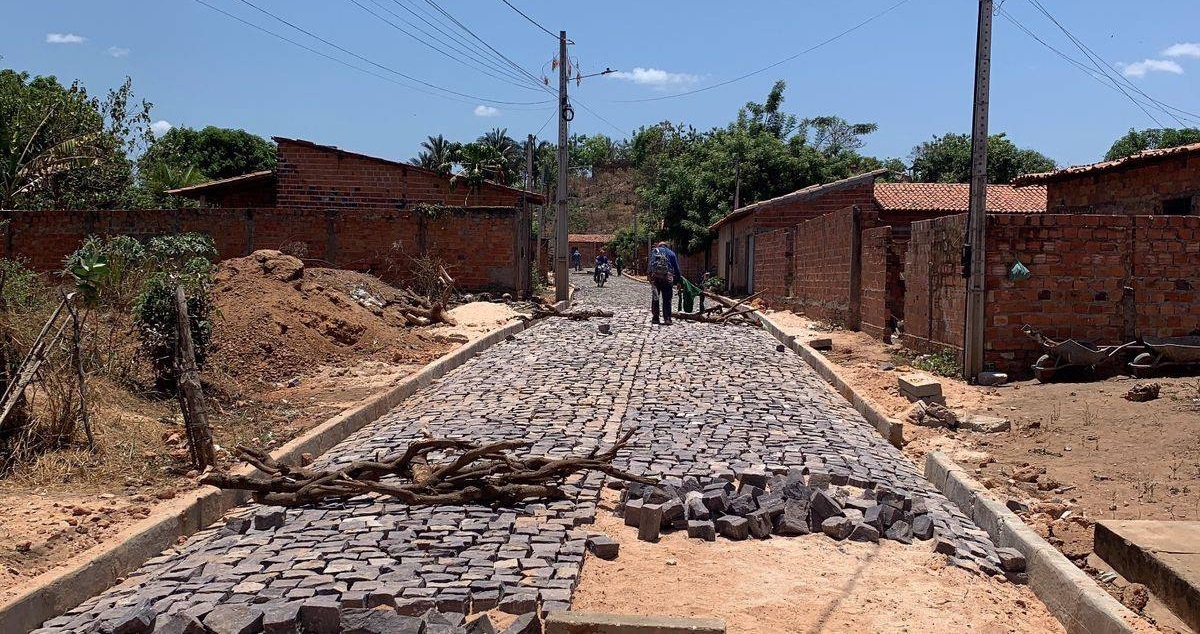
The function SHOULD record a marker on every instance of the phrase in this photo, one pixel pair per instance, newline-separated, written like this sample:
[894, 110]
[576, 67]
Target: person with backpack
[663, 272]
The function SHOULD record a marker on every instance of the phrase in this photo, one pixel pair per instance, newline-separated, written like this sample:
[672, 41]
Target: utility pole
[565, 114]
[737, 185]
[974, 255]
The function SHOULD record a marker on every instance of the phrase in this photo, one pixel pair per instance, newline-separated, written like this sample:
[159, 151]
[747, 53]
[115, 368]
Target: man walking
[576, 256]
[662, 271]
[620, 264]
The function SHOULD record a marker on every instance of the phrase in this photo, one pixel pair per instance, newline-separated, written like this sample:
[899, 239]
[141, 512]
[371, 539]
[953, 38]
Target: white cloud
[160, 127]
[118, 51]
[1183, 49]
[656, 77]
[486, 111]
[64, 38]
[1140, 69]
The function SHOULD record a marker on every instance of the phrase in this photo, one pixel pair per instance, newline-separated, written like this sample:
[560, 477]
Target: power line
[387, 68]
[1103, 79]
[773, 65]
[464, 27]
[485, 71]
[531, 20]
[474, 49]
[1102, 67]
[330, 57]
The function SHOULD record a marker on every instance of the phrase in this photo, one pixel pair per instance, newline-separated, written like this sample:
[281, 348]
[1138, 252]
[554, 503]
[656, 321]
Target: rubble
[781, 505]
[1142, 392]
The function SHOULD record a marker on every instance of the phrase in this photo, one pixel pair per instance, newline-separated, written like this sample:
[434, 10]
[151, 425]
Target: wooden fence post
[191, 394]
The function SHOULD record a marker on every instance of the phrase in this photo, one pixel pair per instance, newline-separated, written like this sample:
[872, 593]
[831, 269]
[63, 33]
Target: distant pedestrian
[663, 271]
[576, 258]
[620, 265]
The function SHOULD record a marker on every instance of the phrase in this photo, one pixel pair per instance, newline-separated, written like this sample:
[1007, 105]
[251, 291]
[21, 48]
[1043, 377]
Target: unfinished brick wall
[880, 282]
[311, 176]
[934, 289]
[1130, 191]
[478, 244]
[825, 259]
[1081, 266]
[773, 265]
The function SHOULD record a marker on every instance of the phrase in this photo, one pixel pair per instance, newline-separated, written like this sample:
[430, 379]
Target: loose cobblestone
[706, 401]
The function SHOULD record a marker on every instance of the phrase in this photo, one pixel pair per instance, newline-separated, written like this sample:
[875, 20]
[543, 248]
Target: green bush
[154, 316]
[108, 271]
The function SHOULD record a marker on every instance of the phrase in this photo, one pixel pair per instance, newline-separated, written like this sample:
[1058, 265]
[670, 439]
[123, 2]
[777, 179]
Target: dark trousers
[662, 288]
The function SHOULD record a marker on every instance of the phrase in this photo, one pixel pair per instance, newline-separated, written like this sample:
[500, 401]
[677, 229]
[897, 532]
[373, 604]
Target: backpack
[660, 266]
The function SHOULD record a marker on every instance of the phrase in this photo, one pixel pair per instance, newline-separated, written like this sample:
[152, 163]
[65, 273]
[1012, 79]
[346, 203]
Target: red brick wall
[773, 265]
[317, 178]
[824, 252]
[1132, 191]
[783, 214]
[882, 297]
[478, 244]
[1081, 266]
[934, 289]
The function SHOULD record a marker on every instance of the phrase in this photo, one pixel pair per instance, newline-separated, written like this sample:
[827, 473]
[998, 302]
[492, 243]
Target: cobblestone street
[705, 399]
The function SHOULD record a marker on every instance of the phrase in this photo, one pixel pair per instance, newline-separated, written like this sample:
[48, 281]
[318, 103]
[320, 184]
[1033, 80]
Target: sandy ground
[1103, 456]
[802, 584]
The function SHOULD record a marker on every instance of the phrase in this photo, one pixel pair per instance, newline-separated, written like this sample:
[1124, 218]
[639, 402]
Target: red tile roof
[955, 197]
[590, 237]
[1141, 158]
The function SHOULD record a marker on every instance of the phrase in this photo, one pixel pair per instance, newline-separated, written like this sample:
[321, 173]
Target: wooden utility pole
[191, 394]
[565, 114]
[974, 255]
[533, 268]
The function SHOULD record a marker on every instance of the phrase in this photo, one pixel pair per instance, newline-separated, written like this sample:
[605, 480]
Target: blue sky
[910, 71]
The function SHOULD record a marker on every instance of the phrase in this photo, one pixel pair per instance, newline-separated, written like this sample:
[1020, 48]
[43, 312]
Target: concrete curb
[58, 591]
[1071, 596]
[888, 427]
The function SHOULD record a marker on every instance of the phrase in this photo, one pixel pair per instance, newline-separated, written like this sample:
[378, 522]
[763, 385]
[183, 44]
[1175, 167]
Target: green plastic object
[1019, 272]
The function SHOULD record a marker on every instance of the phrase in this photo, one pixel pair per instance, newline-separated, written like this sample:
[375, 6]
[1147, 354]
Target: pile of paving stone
[785, 505]
[314, 616]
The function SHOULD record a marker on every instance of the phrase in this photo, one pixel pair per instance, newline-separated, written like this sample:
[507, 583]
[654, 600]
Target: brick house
[590, 245]
[1155, 182]
[333, 207]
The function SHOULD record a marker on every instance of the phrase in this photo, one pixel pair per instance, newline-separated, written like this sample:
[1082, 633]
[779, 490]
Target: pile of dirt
[279, 320]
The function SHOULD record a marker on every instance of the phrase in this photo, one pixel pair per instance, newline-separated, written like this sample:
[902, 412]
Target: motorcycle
[601, 274]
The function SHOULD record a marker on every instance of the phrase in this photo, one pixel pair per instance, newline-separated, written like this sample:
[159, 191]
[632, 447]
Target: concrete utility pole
[565, 114]
[974, 255]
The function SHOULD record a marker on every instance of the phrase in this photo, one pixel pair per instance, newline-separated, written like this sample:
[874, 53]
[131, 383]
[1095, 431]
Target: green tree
[62, 148]
[1152, 139]
[947, 159]
[512, 159]
[436, 154]
[215, 152]
[480, 162]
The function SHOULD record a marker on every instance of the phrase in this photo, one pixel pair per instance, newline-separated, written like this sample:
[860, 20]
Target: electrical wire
[531, 20]
[1102, 79]
[772, 65]
[330, 57]
[464, 27]
[439, 22]
[1100, 66]
[506, 75]
[387, 68]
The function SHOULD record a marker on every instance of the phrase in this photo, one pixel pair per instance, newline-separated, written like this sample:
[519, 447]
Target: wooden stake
[191, 394]
[76, 338]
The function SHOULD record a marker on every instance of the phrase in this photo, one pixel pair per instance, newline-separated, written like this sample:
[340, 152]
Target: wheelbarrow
[1069, 353]
[1165, 352]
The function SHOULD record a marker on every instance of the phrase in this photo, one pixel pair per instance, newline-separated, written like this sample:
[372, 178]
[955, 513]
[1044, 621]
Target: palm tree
[28, 160]
[435, 154]
[511, 155]
[479, 161]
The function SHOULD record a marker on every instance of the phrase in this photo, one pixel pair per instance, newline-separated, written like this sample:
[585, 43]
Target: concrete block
[991, 378]
[820, 343]
[595, 623]
[917, 386]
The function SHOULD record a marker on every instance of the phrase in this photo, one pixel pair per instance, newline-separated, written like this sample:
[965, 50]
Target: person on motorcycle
[601, 268]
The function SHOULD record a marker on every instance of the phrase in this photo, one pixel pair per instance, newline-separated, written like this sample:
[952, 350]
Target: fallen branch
[470, 474]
